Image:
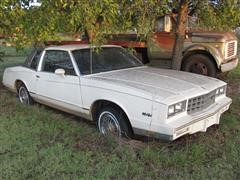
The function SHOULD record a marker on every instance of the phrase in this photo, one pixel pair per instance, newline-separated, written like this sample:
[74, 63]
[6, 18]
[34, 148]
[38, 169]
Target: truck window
[56, 59]
[159, 27]
[164, 24]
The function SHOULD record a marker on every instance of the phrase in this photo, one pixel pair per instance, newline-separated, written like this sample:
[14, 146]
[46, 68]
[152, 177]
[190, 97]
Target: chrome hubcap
[23, 95]
[108, 124]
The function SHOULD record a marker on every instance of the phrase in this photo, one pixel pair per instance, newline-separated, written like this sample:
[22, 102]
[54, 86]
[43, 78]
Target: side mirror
[60, 72]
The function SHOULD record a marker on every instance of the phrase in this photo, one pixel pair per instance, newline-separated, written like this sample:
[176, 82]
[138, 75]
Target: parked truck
[205, 52]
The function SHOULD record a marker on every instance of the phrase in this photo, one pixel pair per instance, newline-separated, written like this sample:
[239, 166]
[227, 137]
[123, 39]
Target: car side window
[56, 59]
[33, 59]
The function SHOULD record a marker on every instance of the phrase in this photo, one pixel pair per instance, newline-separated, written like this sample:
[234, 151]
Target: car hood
[165, 86]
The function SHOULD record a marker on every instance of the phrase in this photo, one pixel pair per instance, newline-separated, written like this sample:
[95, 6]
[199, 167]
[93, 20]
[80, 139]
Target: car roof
[75, 47]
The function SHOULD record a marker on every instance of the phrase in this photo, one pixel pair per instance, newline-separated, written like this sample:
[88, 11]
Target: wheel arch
[100, 103]
[212, 53]
[18, 83]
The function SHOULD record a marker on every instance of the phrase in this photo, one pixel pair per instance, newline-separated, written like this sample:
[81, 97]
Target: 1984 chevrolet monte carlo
[110, 86]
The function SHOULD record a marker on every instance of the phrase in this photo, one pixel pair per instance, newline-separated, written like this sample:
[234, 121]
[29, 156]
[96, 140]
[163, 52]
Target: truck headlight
[220, 91]
[176, 108]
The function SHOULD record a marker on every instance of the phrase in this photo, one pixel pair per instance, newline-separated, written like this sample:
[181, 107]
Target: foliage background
[25, 24]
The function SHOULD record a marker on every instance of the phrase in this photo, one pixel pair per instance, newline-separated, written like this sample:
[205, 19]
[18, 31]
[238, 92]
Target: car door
[59, 90]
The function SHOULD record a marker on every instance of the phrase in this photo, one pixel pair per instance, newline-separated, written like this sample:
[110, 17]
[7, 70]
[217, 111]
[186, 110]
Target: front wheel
[24, 96]
[200, 64]
[113, 122]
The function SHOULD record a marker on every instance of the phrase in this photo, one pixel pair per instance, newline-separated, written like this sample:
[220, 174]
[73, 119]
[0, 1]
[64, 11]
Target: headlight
[220, 91]
[176, 108]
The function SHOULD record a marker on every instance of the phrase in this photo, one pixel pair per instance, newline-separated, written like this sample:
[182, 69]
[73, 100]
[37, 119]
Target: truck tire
[112, 121]
[200, 64]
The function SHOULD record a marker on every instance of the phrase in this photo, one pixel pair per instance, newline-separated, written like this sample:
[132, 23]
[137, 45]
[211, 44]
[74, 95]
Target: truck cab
[205, 52]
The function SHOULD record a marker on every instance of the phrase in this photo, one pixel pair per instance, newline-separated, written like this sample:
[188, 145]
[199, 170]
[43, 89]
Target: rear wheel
[200, 64]
[24, 96]
[113, 122]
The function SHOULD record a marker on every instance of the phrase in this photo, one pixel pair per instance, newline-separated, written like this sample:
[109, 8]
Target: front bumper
[200, 123]
[189, 124]
[229, 65]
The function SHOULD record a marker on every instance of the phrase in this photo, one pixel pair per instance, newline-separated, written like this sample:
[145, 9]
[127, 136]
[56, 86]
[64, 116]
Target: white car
[112, 87]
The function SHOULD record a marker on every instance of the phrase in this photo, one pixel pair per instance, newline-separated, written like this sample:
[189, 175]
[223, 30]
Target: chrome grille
[199, 103]
[231, 49]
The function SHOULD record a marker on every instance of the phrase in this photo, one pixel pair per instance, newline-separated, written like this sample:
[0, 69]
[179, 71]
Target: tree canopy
[27, 24]
[34, 24]
[218, 14]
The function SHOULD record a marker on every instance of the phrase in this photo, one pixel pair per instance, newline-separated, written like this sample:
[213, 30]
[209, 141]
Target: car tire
[24, 96]
[200, 64]
[113, 121]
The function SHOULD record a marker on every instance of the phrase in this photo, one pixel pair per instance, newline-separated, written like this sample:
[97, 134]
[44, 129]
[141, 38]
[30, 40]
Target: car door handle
[37, 76]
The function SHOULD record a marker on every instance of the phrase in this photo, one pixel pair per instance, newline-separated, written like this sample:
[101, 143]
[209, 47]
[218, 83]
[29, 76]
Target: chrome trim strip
[85, 113]
[86, 109]
[46, 97]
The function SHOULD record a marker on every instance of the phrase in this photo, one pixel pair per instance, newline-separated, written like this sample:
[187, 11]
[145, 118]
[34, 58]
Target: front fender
[134, 106]
[214, 52]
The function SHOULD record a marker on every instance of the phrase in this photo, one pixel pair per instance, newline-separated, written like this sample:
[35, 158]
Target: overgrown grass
[37, 142]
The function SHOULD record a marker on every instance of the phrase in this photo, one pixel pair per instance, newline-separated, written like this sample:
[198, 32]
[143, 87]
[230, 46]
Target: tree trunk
[180, 35]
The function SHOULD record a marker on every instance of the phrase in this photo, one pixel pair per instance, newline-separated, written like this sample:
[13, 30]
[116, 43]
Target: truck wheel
[112, 121]
[200, 64]
[24, 96]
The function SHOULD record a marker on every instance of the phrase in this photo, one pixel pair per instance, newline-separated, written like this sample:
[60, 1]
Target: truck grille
[199, 103]
[231, 49]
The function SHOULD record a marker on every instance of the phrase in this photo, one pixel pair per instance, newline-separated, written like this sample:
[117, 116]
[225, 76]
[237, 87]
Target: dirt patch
[2, 89]
[233, 89]
[233, 86]
[111, 144]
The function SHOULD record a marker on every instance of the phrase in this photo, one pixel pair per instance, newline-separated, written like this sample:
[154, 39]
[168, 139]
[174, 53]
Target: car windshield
[104, 59]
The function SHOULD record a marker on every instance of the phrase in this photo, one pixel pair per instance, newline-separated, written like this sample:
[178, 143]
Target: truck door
[160, 44]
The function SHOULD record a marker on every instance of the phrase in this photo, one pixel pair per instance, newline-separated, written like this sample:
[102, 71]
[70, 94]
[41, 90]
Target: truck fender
[209, 49]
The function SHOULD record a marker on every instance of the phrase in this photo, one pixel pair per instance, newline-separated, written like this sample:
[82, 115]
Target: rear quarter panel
[26, 75]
